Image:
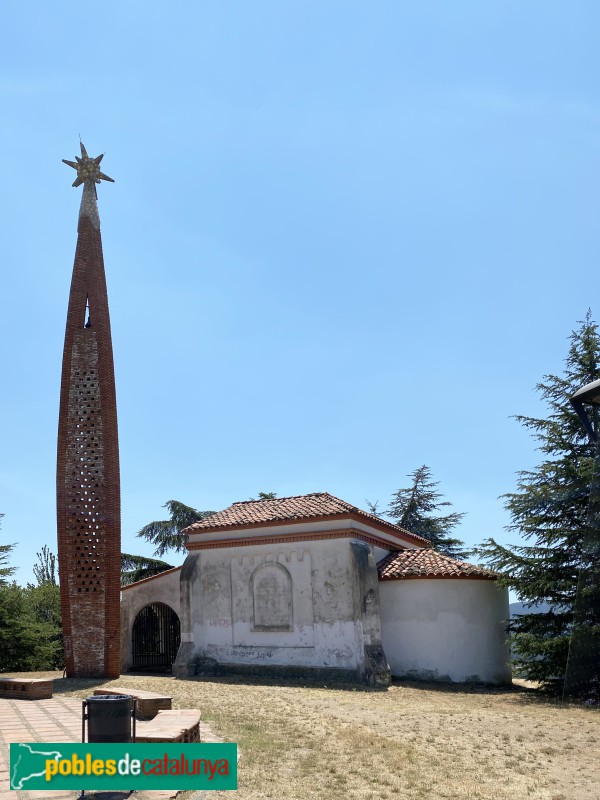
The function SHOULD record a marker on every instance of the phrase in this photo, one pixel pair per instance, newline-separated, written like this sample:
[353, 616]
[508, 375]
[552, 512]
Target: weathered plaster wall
[311, 594]
[438, 629]
[162, 589]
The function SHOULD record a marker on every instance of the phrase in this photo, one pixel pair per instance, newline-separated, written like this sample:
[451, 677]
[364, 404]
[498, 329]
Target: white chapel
[313, 586]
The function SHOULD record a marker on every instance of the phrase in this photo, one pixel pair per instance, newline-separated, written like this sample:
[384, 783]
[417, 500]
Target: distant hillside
[523, 608]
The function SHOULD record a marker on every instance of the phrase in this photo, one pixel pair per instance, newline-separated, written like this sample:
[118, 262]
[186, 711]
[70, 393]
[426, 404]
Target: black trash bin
[109, 717]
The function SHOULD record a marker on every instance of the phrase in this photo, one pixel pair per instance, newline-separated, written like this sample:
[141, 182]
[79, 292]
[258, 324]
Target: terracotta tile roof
[427, 564]
[320, 505]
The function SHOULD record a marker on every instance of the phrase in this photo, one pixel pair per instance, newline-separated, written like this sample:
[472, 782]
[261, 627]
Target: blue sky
[345, 239]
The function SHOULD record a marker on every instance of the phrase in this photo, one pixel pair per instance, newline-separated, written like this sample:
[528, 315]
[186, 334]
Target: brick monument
[87, 480]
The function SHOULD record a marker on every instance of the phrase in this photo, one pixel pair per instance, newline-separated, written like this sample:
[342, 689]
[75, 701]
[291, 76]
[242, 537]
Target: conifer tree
[29, 640]
[414, 509]
[136, 568]
[45, 569]
[168, 534]
[550, 510]
[30, 630]
[5, 551]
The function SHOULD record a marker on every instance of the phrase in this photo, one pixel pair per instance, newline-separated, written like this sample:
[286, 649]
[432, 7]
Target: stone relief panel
[271, 587]
[272, 600]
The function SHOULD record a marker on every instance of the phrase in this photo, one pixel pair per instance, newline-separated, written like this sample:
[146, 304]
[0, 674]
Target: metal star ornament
[88, 169]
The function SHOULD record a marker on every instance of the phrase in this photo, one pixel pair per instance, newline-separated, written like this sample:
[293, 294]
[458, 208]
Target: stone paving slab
[58, 720]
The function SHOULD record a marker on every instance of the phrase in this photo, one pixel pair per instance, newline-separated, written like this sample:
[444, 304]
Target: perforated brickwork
[85, 464]
[88, 496]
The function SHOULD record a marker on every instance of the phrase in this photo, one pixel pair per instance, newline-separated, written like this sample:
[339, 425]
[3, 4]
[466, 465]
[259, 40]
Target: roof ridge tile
[275, 499]
[317, 505]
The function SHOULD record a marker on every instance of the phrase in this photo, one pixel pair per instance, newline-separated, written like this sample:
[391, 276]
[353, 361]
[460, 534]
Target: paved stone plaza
[56, 720]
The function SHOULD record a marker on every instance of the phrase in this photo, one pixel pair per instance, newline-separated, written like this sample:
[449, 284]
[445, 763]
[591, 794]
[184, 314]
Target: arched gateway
[155, 638]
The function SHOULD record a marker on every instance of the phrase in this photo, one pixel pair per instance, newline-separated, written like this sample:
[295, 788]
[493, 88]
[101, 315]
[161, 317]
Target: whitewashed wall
[438, 629]
[161, 589]
[328, 627]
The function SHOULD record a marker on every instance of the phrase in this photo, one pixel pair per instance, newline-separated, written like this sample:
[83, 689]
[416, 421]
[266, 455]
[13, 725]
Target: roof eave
[197, 528]
[436, 576]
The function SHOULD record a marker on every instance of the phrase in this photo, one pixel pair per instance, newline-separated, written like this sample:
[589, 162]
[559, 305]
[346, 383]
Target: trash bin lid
[105, 697]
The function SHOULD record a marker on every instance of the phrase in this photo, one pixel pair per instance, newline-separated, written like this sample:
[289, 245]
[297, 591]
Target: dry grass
[411, 741]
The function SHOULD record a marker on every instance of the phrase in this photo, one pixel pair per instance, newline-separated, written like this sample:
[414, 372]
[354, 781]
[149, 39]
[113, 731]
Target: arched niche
[271, 587]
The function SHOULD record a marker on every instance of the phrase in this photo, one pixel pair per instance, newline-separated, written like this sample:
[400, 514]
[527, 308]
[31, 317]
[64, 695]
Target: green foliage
[373, 508]
[168, 534]
[5, 551]
[30, 624]
[29, 639]
[45, 569]
[43, 608]
[136, 568]
[415, 507]
[550, 510]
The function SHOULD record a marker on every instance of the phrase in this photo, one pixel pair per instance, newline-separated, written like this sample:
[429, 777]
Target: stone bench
[179, 725]
[26, 688]
[148, 703]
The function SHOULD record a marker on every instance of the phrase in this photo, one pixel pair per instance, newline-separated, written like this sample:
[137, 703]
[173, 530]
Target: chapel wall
[446, 629]
[163, 588]
[288, 606]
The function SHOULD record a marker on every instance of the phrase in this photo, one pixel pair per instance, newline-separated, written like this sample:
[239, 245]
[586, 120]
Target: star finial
[88, 169]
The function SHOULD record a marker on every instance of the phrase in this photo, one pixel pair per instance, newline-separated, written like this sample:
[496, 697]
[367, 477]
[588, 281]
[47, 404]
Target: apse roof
[427, 564]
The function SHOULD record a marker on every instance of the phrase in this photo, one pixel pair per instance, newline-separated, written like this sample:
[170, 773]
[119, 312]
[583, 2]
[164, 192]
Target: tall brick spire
[87, 481]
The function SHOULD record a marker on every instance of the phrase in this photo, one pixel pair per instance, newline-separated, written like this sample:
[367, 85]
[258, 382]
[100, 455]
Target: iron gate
[155, 638]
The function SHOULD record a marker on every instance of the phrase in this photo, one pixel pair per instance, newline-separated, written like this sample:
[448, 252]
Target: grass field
[411, 741]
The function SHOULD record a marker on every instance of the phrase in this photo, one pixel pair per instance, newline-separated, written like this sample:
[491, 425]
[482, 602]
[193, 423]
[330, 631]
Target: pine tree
[30, 629]
[136, 568]
[168, 534]
[29, 640]
[5, 551]
[414, 509]
[550, 511]
[45, 569]
[42, 608]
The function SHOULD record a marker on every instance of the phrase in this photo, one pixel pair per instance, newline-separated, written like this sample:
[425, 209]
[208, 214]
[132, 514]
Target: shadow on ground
[522, 691]
[528, 692]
